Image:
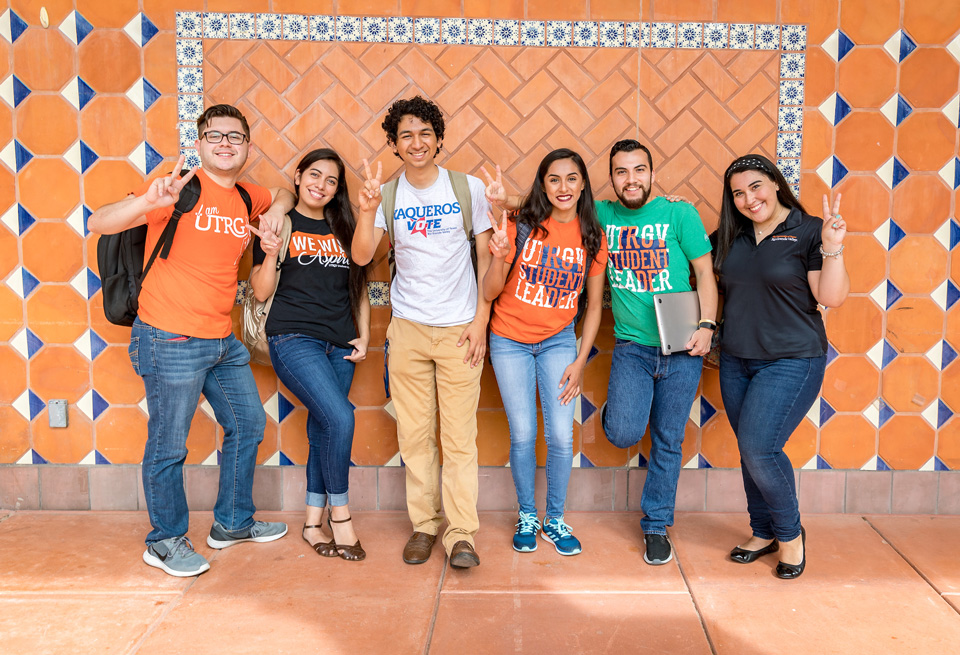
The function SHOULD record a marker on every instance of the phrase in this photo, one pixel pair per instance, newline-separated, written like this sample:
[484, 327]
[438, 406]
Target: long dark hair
[536, 206]
[339, 215]
[732, 222]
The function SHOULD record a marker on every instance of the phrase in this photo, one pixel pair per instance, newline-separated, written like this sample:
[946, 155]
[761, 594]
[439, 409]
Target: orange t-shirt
[192, 291]
[539, 298]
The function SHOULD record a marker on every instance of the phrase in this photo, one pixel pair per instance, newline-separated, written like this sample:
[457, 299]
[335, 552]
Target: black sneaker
[658, 549]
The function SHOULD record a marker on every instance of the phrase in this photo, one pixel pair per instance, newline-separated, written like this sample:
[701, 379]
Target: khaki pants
[423, 361]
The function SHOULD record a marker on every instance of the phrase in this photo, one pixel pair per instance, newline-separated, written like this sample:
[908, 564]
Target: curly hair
[416, 106]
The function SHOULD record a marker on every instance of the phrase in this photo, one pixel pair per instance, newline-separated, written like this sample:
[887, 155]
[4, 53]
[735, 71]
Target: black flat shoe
[791, 571]
[744, 556]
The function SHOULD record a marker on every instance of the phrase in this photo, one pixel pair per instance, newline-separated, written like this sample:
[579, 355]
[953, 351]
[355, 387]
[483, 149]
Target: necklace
[779, 220]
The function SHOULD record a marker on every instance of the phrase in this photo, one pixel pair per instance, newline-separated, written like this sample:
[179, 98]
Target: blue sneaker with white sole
[561, 536]
[525, 538]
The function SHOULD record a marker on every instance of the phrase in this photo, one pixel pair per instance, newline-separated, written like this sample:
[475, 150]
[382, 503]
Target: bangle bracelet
[831, 254]
[707, 320]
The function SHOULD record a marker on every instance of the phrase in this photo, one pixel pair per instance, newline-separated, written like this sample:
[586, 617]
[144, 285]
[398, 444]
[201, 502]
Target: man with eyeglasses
[182, 342]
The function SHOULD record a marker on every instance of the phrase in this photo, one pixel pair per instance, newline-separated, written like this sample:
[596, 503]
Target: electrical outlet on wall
[57, 413]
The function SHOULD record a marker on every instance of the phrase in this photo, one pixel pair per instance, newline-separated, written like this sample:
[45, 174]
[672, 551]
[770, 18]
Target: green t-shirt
[649, 252]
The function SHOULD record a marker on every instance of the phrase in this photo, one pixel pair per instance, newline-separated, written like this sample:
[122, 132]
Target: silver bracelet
[831, 254]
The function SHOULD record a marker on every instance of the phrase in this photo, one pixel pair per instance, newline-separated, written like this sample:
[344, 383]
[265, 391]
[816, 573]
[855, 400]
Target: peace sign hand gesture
[270, 241]
[496, 194]
[499, 244]
[165, 191]
[834, 227]
[369, 198]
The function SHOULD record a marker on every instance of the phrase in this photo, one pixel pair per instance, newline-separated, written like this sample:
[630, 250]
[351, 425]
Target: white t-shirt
[435, 282]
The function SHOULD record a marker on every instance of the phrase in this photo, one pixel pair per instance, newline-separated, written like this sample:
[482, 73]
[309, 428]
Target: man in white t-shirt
[437, 336]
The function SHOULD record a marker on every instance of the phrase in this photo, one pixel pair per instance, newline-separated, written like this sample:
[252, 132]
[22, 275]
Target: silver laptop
[678, 315]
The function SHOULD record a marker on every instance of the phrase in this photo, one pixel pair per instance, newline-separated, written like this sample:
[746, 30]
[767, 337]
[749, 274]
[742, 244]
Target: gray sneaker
[176, 556]
[260, 532]
[658, 549]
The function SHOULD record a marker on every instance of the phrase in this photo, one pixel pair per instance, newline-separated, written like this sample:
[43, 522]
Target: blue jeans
[317, 373]
[175, 370]
[765, 402]
[522, 369]
[648, 386]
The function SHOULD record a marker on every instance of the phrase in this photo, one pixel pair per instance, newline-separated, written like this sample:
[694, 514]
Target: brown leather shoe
[417, 550]
[463, 556]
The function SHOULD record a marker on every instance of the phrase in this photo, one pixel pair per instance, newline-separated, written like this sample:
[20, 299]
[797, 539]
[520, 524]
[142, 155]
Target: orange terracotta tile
[948, 442]
[122, 434]
[684, 10]
[930, 22]
[950, 389]
[109, 181]
[108, 13]
[114, 377]
[868, 77]
[16, 435]
[909, 384]
[46, 124]
[115, 47]
[11, 313]
[6, 123]
[34, 185]
[158, 55]
[926, 140]
[112, 126]
[493, 8]
[625, 10]
[29, 10]
[918, 264]
[866, 262]
[267, 448]
[820, 77]
[718, 443]
[317, 7]
[56, 313]
[864, 141]
[53, 252]
[66, 445]
[598, 449]
[855, 326]
[802, 445]
[108, 331]
[14, 379]
[375, 438]
[752, 11]
[952, 334]
[822, 17]
[851, 383]
[812, 190]
[914, 325]
[818, 139]
[927, 77]
[848, 441]
[162, 13]
[869, 23]
[493, 438]
[925, 542]
[202, 440]
[906, 442]
[569, 9]
[7, 188]
[59, 372]
[9, 255]
[44, 60]
[162, 131]
[925, 217]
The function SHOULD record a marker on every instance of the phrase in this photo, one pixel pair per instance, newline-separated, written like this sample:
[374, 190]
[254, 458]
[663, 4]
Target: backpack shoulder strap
[189, 196]
[245, 196]
[523, 233]
[461, 189]
[388, 201]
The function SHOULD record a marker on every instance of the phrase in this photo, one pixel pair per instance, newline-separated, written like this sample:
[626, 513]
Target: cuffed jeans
[175, 370]
[522, 370]
[648, 386]
[317, 373]
[765, 401]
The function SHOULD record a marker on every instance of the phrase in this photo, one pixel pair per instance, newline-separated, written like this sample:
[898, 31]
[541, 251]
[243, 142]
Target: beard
[634, 203]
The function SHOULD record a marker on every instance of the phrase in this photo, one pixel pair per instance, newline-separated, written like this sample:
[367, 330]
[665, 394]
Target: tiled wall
[859, 98]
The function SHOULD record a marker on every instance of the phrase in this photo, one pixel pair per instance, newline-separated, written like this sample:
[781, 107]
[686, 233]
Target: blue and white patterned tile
[559, 33]
[349, 28]
[533, 33]
[950, 173]
[791, 92]
[192, 159]
[899, 46]
[189, 52]
[790, 169]
[243, 26]
[22, 282]
[322, 28]
[296, 27]
[768, 37]
[835, 108]
[400, 29]
[90, 344]
[216, 26]
[189, 107]
[269, 27]
[741, 36]
[585, 34]
[13, 91]
[949, 233]
[190, 79]
[11, 25]
[188, 133]
[715, 36]
[892, 172]
[379, 293]
[632, 35]
[75, 27]
[426, 30]
[794, 37]
[663, 35]
[480, 31]
[789, 144]
[790, 119]
[838, 44]
[506, 32]
[189, 25]
[140, 29]
[375, 29]
[832, 171]
[611, 34]
[86, 283]
[145, 157]
[646, 35]
[9, 218]
[689, 35]
[945, 295]
[18, 219]
[78, 93]
[454, 30]
[792, 66]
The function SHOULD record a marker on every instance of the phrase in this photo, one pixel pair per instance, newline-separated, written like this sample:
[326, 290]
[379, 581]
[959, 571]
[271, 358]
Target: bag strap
[285, 234]
[189, 196]
[461, 190]
[388, 201]
[245, 197]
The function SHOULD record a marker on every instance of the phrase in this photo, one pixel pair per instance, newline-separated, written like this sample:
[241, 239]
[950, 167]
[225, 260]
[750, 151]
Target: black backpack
[523, 232]
[120, 256]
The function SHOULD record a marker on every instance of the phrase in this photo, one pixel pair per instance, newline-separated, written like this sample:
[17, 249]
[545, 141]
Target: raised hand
[496, 194]
[834, 227]
[369, 198]
[499, 244]
[270, 242]
[165, 191]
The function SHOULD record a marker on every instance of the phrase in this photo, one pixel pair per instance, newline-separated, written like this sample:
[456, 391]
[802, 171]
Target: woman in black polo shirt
[775, 264]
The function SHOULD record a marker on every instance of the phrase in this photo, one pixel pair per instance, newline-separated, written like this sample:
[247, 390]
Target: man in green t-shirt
[652, 245]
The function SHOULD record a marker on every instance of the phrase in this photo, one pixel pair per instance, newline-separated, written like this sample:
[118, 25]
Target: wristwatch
[710, 325]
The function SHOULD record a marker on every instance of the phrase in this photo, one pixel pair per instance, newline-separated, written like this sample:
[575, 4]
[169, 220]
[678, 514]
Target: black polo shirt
[769, 311]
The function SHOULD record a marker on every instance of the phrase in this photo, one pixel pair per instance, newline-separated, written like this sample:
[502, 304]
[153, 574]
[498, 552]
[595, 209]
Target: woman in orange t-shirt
[533, 345]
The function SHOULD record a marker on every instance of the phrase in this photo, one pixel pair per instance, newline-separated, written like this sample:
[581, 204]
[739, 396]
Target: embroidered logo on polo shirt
[784, 237]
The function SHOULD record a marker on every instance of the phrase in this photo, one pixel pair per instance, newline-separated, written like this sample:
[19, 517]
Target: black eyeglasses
[212, 136]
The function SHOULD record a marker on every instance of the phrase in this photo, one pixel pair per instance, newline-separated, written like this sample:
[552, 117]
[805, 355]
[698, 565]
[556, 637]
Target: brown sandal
[354, 553]
[323, 548]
